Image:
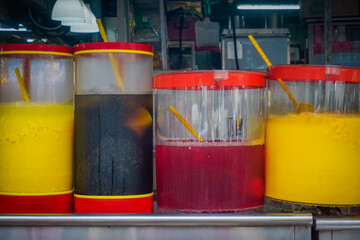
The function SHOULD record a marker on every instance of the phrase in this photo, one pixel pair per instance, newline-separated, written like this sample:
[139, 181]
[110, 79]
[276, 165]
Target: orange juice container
[36, 128]
[312, 153]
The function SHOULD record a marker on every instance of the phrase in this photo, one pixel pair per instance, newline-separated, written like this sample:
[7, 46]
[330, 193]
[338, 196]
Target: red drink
[209, 177]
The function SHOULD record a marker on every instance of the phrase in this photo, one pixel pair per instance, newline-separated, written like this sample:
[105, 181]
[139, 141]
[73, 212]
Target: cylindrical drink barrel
[113, 133]
[210, 141]
[312, 152]
[36, 128]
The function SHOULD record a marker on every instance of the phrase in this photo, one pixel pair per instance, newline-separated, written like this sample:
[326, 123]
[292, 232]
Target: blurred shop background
[200, 35]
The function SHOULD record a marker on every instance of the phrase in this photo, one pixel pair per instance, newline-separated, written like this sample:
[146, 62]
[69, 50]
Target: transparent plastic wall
[47, 72]
[36, 128]
[113, 68]
[333, 93]
[312, 156]
[219, 168]
[224, 114]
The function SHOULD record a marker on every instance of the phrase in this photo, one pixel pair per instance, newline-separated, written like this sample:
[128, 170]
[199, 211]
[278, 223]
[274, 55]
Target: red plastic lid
[210, 78]
[313, 72]
[113, 47]
[37, 204]
[35, 49]
[111, 204]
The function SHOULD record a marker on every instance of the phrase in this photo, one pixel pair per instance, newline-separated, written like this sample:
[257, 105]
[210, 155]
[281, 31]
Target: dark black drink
[113, 144]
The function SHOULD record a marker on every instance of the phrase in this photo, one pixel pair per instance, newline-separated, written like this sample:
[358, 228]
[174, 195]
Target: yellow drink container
[36, 128]
[313, 158]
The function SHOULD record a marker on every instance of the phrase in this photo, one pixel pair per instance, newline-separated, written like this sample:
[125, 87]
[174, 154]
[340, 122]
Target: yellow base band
[114, 51]
[114, 197]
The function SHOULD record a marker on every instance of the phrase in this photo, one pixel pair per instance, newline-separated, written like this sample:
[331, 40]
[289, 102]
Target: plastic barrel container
[312, 158]
[36, 128]
[222, 169]
[113, 128]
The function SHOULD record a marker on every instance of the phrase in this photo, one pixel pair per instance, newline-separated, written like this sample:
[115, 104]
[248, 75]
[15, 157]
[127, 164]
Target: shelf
[344, 46]
[343, 59]
[153, 12]
[148, 4]
[146, 40]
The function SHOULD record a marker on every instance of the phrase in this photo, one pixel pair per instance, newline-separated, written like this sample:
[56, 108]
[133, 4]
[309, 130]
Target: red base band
[59, 203]
[113, 205]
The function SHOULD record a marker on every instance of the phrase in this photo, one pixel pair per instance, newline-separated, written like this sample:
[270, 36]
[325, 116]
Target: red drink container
[213, 159]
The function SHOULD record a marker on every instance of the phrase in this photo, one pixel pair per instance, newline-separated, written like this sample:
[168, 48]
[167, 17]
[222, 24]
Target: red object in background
[347, 47]
[57, 204]
[207, 48]
[113, 205]
[336, 47]
[211, 178]
[188, 29]
[318, 43]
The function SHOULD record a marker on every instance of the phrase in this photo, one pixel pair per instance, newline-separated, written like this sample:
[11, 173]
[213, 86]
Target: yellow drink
[36, 147]
[313, 158]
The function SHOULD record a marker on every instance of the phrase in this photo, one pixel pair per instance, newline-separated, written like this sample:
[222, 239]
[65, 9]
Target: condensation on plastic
[216, 115]
[326, 96]
[49, 78]
[94, 73]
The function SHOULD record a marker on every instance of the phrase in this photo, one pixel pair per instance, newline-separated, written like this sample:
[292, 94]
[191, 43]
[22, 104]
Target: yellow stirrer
[111, 56]
[22, 85]
[262, 54]
[182, 120]
[299, 107]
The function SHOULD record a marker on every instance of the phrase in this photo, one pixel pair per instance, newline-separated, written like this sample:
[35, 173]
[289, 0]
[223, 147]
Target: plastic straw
[262, 54]
[22, 85]
[182, 120]
[111, 56]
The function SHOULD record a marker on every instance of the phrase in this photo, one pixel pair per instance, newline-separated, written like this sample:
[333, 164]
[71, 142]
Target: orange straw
[22, 85]
[262, 54]
[182, 120]
[111, 56]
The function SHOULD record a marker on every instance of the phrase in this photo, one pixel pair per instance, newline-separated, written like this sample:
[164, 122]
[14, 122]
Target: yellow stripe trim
[38, 52]
[114, 51]
[36, 194]
[114, 197]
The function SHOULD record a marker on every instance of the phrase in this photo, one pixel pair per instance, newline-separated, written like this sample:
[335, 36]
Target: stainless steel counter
[270, 226]
[337, 228]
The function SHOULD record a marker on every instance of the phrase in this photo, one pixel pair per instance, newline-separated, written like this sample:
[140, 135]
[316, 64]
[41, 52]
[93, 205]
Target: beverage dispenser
[113, 128]
[36, 128]
[312, 153]
[209, 141]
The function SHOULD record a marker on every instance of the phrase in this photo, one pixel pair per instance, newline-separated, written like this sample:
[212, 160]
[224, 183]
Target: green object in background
[142, 28]
[207, 6]
[137, 15]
